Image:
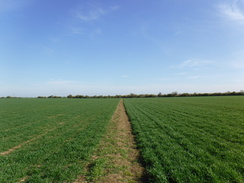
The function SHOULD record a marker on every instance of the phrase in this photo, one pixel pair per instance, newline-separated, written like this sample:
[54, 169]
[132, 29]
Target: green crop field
[181, 139]
[197, 139]
[50, 140]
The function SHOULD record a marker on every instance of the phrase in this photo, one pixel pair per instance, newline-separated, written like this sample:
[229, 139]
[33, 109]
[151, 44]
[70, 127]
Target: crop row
[190, 139]
[50, 140]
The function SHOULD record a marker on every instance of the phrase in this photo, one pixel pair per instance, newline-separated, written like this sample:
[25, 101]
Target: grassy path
[116, 159]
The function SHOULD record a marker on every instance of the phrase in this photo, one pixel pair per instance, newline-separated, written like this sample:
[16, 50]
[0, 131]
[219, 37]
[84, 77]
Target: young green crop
[50, 140]
[198, 139]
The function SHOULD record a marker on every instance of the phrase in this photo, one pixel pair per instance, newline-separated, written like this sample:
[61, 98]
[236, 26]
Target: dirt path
[116, 159]
[125, 157]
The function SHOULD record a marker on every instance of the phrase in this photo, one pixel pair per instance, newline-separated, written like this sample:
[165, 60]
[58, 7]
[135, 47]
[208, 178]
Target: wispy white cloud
[89, 15]
[92, 12]
[190, 63]
[233, 10]
[195, 63]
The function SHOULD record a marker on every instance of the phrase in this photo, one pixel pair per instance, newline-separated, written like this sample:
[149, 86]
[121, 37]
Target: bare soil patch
[23, 179]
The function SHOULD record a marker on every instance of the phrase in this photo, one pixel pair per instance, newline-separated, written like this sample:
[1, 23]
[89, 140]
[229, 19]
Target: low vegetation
[50, 141]
[198, 139]
[180, 139]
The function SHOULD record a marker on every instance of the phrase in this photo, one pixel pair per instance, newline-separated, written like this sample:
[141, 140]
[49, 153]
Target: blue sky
[91, 47]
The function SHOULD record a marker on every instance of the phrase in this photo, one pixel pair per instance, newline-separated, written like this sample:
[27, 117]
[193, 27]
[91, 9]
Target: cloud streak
[194, 63]
[85, 18]
[92, 13]
[233, 11]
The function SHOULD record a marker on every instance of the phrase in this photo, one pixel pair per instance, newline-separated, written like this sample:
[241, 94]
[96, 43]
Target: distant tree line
[173, 94]
[132, 95]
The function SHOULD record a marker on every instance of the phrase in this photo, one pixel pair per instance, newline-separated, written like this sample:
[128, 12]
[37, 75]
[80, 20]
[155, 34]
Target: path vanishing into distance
[116, 159]
[178, 139]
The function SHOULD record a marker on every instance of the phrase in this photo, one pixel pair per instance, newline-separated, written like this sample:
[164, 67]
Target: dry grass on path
[116, 159]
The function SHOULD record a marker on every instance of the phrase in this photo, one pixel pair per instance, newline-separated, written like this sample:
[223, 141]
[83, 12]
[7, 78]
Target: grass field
[181, 139]
[50, 140]
[197, 139]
